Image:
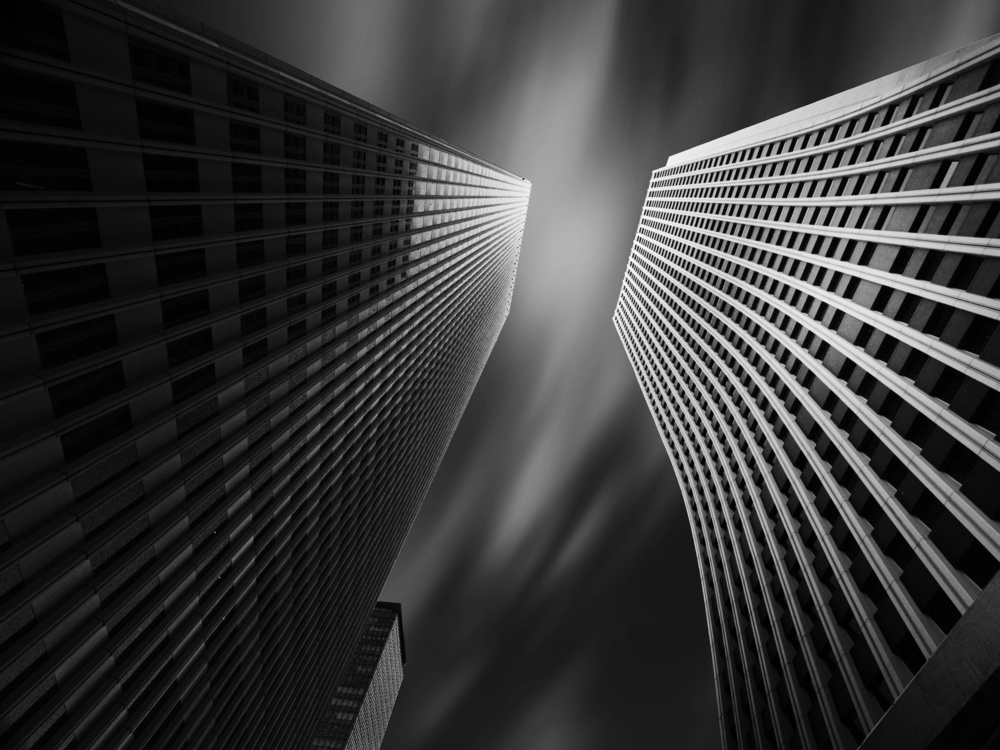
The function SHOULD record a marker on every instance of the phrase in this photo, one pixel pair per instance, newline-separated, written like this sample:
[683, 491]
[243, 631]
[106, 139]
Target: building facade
[242, 314]
[357, 717]
[811, 309]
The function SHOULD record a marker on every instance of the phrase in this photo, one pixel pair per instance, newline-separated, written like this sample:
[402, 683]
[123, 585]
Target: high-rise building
[243, 312]
[359, 713]
[811, 309]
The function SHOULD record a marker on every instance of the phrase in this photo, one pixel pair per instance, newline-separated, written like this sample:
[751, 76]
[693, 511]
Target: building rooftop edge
[162, 13]
[398, 609]
[853, 99]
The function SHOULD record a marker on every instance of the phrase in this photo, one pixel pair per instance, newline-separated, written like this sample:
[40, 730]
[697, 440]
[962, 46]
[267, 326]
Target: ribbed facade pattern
[359, 714]
[811, 309]
[242, 313]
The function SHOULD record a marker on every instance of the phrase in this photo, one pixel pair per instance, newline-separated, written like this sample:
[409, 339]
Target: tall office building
[811, 308]
[358, 715]
[243, 312]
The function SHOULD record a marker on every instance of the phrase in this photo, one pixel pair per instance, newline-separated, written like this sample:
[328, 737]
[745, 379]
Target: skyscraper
[357, 717]
[243, 312]
[811, 307]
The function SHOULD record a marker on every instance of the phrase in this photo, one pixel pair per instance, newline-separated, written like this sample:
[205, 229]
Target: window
[331, 183]
[175, 222]
[47, 291]
[176, 268]
[357, 184]
[244, 137]
[52, 230]
[354, 257]
[38, 100]
[329, 265]
[43, 166]
[86, 389]
[331, 122]
[357, 209]
[295, 147]
[160, 67]
[397, 167]
[360, 159]
[243, 94]
[380, 186]
[295, 245]
[354, 281]
[246, 178]
[249, 254]
[379, 208]
[357, 233]
[295, 180]
[248, 217]
[76, 340]
[353, 301]
[380, 162]
[163, 122]
[252, 288]
[253, 321]
[296, 275]
[383, 139]
[329, 238]
[400, 145]
[189, 347]
[170, 174]
[295, 214]
[360, 132]
[330, 210]
[193, 383]
[295, 303]
[185, 308]
[296, 330]
[97, 432]
[331, 153]
[255, 352]
[295, 110]
[36, 28]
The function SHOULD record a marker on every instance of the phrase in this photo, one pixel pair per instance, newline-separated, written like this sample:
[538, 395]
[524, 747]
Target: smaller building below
[359, 712]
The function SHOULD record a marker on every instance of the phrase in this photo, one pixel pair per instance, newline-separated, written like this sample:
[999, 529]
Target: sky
[549, 587]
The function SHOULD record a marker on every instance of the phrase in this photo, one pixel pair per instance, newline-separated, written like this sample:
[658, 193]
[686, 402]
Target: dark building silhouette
[357, 717]
[811, 309]
[243, 312]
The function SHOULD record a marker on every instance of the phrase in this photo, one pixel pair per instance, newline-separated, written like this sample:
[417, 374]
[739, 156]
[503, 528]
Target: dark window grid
[42, 166]
[96, 433]
[244, 137]
[247, 178]
[243, 93]
[295, 147]
[164, 122]
[175, 174]
[86, 389]
[295, 110]
[58, 289]
[52, 230]
[170, 222]
[35, 28]
[159, 66]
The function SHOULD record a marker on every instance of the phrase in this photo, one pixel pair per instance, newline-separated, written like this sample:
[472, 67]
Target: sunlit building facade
[358, 715]
[811, 309]
[242, 314]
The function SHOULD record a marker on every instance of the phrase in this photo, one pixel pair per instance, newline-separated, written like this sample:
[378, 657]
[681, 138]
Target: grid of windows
[811, 308]
[210, 381]
[359, 713]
